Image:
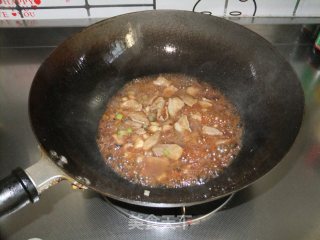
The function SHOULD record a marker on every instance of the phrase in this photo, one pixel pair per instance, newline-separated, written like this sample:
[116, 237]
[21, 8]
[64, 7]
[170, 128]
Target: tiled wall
[91, 9]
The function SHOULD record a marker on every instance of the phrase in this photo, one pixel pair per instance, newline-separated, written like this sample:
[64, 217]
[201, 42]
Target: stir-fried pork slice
[174, 106]
[133, 124]
[158, 103]
[188, 100]
[119, 140]
[138, 143]
[154, 128]
[211, 131]
[163, 114]
[151, 141]
[139, 117]
[166, 127]
[205, 103]
[161, 81]
[171, 151]
[132, 105]
[193, 91]
[147, 100]
[169, 91]
[196, 116]
[140, 131]
[182, 124]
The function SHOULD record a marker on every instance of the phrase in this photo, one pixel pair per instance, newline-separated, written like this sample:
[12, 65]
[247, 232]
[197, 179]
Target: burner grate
[168, 217]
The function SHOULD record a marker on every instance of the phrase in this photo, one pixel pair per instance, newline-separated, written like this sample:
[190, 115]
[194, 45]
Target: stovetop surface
[284, 204]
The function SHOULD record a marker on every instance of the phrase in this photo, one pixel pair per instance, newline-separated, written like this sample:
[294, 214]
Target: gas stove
[281, 205]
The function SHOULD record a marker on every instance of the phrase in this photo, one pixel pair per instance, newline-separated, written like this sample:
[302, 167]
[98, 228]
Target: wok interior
[72, 87]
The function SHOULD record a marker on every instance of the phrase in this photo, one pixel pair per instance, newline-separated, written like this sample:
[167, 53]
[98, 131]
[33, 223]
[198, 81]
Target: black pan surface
[72, 87]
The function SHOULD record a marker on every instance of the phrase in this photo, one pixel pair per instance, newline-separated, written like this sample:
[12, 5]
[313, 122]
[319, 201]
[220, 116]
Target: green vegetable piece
[125, 132]
[166, 152]
[119, 116]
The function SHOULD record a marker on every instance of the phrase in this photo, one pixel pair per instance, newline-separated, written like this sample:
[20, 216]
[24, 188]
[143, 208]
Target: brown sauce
[169, 130]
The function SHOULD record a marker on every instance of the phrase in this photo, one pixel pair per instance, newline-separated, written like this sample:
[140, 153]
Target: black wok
[71, 88]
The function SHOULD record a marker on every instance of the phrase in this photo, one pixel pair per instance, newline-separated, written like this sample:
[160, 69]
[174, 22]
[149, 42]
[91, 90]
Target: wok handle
[16, 191]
